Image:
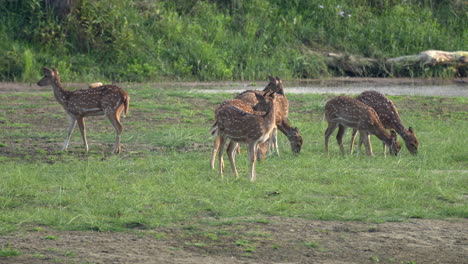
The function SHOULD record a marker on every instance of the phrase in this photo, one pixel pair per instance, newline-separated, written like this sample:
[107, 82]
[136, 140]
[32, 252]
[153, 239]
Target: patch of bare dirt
[274, 240]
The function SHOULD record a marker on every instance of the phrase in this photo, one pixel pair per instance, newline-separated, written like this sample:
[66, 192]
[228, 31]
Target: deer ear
[45, 70]
[273, 80]
[411, 130]
[393, 133]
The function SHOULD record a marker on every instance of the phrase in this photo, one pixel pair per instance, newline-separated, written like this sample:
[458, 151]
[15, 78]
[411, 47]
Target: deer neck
[381, 133]
[270, 116]
[286, 128]
[59, 92]
[399, 128]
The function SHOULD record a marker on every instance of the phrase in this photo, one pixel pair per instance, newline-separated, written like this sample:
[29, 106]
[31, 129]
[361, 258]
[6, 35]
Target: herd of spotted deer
[252, 117]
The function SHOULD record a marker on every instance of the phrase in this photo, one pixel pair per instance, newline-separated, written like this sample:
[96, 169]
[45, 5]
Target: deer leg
[384, 150]
[353, 137]
[231, 151]
[262, 150]
[362, 139]
[222, 143]
[71, 126]
[275, 140]
[82, 126]
[370, 144]
[365, 138]
[339, 138]
[114, 119]
[213, 153]
[331, 127]
[253, 147]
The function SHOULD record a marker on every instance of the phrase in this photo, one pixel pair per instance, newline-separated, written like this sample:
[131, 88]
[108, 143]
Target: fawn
[344, 112]
[388, 115]
[107, 100]
[238, 126]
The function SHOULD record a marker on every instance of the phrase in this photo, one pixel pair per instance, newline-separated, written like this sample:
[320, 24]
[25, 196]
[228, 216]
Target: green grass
[163, 174]
[9, 252]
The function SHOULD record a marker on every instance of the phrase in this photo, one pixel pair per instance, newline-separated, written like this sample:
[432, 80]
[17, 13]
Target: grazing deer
[107, 100]
[344, 112]
[281, 113]
[388, 115]
[238, 126]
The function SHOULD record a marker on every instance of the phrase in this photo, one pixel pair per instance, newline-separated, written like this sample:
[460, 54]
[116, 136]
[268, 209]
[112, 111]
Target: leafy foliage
[218, 39]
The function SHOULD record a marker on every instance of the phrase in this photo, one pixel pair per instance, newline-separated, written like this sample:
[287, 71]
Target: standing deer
[107, 100]
[235, 125]
[388, 115]
[281, 113]
[232, 147]
[344, 112]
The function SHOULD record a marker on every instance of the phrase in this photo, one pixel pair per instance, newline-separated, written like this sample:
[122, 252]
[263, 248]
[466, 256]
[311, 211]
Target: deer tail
[214, 129]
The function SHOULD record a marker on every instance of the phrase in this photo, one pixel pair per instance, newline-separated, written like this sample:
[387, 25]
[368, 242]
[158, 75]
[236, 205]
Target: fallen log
[361, 66]
[432, 58]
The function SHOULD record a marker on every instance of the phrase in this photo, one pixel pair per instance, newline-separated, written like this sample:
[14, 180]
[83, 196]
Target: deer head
[411, 141]
[394, 145]
[50, 77]
[295, 139]
[274, 84]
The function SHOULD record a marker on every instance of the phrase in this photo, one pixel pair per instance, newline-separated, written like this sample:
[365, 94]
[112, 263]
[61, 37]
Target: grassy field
[163, 174]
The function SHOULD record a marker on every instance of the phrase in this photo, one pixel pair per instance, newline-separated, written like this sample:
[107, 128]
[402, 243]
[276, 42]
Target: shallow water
[445, 90]
[349, 86]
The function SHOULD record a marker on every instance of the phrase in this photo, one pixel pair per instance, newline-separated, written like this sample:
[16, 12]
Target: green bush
[219, 39]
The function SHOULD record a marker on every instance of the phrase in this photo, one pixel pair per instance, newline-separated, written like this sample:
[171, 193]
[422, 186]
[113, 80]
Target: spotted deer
[282, 122]
[232, 146]
[107, 100]
[281, 113]
[344, 112]
[388, 115]
[238, 126]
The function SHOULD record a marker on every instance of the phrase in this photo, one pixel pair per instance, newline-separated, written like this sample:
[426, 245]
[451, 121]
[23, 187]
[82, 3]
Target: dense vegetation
[218, 39]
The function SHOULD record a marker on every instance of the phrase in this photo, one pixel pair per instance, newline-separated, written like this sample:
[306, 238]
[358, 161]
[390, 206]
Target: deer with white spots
[233, 147]
[238, 126]
[388, 115]
[108, 100]
[281, 114]
[249, 98]
[344, 112]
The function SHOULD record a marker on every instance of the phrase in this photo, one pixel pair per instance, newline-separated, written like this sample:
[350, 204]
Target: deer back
[351, 113]
[385, 108]
[106, 98]
[240, 122]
